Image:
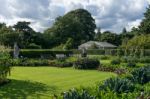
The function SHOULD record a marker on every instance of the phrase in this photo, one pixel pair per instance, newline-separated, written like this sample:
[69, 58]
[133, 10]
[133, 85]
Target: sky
[111, 15]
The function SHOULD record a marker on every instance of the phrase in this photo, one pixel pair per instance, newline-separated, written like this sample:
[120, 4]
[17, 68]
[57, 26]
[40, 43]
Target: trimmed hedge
[40, 62]
[41, 53]
[36, 53]
[115, 52]
[96, 52]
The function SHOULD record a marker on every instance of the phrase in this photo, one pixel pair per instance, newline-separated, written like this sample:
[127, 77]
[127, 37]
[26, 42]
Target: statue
[84, 53]
[16, 50]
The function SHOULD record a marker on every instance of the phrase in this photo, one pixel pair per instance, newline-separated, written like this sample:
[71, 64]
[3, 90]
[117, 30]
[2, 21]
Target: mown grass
[43, 82]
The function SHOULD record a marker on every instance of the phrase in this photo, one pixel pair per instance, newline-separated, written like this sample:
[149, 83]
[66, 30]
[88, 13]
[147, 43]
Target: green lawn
[42, 82]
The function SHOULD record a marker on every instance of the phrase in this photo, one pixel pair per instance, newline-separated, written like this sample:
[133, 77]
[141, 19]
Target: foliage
[117, 52]
[98, 35]
[145, 24]
[107, 67]
[130, 59]
[71, 59]
[86, 63]
[27, 35]
[131, 64]
[104, 57]
[33, 46]
[120, 52]
[30, 62]
[96, 52]
[139, 42]
[9, 38]
[40, 62]
[75, 94]
[109, 37]
[22, 34]
[141, 75]
[5, 65]
[78, 25]
[42, 53]
[117, 85]
[124, 30]
[115, 61]
[99, 57]
[62, 63]
[69, 44]
[144, 59]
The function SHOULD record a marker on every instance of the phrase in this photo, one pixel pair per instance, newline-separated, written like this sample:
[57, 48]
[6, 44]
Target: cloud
[110, 15]
[148, 1]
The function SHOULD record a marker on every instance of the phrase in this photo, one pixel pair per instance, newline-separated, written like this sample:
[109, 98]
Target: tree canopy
[78, 25]
[144, 27]
[138, 42]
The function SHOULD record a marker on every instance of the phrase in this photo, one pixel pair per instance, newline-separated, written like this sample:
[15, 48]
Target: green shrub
[86, 63]
[118, 71]
[144, 60]
[120, 52]
[63, 64]
[147, 52]
[141, 75]
[124, 59]
[69, 44]
[30, 62]
[131, 64]
[41, 53]
[107, 67]
[127, 59]
[115, 61]
[5, 64]
[116, 52]
[118, 85]
[71, 59]
[75, 94]
[40, 62]
[96, 52]
[104, 57]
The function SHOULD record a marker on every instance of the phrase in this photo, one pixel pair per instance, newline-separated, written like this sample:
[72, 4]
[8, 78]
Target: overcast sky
[110, 15]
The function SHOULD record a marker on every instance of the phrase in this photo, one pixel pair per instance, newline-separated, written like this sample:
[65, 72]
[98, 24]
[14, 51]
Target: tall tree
[113, 38]
[23, 27]
[144, 27]
[7, 35]
[98, 34]
[138, 42]
[27, 35]
[78, 25]
[124, 30]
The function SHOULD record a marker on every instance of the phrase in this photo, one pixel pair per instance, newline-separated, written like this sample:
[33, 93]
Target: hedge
[41, 53]
[36, 53]
[115, 52]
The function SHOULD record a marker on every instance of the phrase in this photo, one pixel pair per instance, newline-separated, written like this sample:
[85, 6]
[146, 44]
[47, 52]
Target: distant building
[97, 45]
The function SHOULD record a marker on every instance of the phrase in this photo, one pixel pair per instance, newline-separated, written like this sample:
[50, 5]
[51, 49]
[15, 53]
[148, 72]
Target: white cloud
[133, 24]
[148, 1]
[110, 15]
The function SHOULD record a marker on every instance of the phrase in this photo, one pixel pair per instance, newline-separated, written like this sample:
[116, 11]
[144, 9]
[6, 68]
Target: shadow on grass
[25, 89]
